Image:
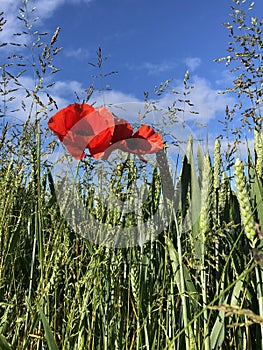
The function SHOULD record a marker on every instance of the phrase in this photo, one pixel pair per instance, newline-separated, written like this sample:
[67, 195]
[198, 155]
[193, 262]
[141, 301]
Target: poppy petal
[154, 139]
[102, 123]
[76, 112]
[121, 145]
[67, 117]
[80, 126]
[144, 141]
[123, 130]
[74, 147]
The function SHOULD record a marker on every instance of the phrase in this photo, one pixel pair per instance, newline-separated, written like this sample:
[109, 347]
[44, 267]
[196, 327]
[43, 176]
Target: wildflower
[81, 126]
[144, 141]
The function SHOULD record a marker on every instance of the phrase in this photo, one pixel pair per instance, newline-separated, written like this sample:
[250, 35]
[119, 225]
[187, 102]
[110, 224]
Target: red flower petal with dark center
[80, 126]
[74, 146]
[123, 130]
[154, 139]
[144, 141]
[67, 117]
[103, 128]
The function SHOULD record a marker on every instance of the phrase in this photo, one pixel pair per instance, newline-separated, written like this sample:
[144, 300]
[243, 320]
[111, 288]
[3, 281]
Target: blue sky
[147, 42]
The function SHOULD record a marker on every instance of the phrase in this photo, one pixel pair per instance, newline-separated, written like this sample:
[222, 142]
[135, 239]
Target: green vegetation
[198, 285]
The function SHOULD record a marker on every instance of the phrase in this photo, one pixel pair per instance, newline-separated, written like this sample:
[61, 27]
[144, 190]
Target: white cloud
[157, 68]
[59, 92]
[154, 68]
[207, 100]
[12, 24]
[192, 63]
[226, 79]
[43, 10]
[113, 97]
[241, 148]
[64, 93]
[79, 53]
[67, 89]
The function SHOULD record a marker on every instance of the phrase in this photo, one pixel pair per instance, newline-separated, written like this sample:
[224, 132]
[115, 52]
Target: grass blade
[52, 345]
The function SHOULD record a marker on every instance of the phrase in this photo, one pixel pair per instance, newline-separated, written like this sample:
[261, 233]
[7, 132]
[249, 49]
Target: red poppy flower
[80, 126]
[144, 141]
[122, 130]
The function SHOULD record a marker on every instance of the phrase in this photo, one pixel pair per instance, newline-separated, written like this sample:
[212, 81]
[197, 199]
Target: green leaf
[195, 198]
[185, 184]
[217, 335]
[256, 190]
[4, 345]
[200, 161]
[52, 345]
[189, 285]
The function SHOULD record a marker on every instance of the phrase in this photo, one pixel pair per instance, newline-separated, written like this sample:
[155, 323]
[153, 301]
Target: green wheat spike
[243, 200]
[119, 258]
[156, 188]
[223, 194]
[134, 275]
[206, 196]
[217, 164]
[258, 147]
[200, 162]
[206, 215]
[256, 139]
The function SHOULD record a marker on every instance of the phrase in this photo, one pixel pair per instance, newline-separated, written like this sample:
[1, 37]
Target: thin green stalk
[182, 285]
[30, 278]
[169, 192]
[205, 225]
[216, 187]
[259, 279]
[218, 297]
[247, 219]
